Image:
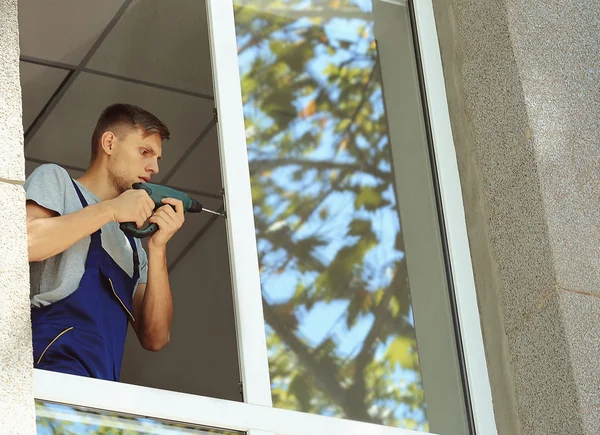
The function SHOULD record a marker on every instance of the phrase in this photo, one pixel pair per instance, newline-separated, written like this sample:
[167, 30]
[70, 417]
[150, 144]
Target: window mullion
[247, 298]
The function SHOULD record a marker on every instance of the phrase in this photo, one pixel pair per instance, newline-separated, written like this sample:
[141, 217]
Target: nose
[153, 167]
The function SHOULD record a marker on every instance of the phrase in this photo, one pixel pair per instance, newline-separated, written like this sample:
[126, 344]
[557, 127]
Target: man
[88, 278]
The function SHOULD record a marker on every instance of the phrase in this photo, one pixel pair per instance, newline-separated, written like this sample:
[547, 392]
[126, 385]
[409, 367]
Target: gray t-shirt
[57, 277]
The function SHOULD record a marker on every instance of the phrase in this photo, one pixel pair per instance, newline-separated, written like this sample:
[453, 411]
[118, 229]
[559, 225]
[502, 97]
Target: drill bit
[196, 207]
[214, 212]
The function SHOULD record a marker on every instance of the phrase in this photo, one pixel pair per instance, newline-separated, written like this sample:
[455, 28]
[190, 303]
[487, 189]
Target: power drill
[157, 193]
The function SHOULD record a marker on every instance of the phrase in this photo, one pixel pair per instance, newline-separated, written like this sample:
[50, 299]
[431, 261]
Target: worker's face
[134, 158]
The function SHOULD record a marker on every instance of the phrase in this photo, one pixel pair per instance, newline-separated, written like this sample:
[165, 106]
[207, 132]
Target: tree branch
[283, 239]
[324, 370]
[264, 164]
[314, 203]
[321, 12]
[381, 313]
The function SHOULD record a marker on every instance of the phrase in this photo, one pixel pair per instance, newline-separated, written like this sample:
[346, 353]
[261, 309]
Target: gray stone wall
[522, 80]
[17, 415]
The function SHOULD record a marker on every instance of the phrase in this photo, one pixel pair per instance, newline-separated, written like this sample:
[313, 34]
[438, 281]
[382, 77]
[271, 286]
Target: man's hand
[131, 206]
[168, 221]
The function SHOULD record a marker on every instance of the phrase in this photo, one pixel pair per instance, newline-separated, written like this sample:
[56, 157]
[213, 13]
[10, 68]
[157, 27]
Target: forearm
[50, 236]
[157, 305]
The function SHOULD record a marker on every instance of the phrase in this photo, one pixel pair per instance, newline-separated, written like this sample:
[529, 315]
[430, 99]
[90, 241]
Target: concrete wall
[16, 375]
[522, 79]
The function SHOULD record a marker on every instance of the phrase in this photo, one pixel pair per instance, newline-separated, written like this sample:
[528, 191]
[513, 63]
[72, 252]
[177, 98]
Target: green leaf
[370, 198]
[360, 227]
[298, 388]
[394, 306]
[343, 125]
[402, 351]
[298, 175]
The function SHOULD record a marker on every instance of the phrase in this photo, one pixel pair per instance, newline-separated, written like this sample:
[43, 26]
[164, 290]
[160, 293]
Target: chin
[126, 186]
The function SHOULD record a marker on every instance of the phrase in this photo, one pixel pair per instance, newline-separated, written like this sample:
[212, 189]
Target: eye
[143, 151]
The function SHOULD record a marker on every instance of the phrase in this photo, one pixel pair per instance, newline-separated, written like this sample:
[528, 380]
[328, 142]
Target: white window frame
[235, 173]
[256, 415]
[454, 219]
[188, 408]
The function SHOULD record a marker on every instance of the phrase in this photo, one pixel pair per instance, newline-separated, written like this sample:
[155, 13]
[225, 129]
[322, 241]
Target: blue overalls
[84, 333]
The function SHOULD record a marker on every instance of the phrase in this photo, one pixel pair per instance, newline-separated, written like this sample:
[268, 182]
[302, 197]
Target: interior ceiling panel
[65, 135]
[162, 42]
[63, 30]
[38, 83]
[201, 170]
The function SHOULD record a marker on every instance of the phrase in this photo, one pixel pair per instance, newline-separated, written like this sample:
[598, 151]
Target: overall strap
[136, 258]
[95, 236]
[84, 203]
[96, 240]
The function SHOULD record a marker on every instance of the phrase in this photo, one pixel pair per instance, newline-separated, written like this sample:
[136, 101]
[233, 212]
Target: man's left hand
[168, 221]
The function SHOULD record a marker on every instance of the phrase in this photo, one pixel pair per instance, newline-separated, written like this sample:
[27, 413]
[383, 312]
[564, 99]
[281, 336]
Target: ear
[107, 142]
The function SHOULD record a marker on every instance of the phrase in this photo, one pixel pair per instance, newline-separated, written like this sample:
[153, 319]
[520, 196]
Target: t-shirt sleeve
[46, 186]
[143, 263]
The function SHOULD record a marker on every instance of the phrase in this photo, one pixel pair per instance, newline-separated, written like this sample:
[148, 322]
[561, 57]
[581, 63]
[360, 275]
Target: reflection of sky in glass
[56, 419]
[349, 42]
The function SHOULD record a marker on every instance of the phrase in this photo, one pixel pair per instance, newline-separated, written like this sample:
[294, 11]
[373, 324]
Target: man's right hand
[131, 206]
[49, 234]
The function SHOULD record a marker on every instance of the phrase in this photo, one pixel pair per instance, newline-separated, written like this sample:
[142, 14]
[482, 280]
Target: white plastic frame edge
[454, 219]
[172, 406]
[243, 253]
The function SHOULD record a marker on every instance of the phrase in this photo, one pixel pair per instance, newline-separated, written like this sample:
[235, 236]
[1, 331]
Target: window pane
[55, 419]
[332, 173]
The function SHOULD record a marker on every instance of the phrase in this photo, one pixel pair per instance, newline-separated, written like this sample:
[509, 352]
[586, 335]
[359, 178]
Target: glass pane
[329, 186]
[56, 419]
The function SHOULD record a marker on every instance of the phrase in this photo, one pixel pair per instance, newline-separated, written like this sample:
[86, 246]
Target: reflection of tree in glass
[54, 419]
[335, 287]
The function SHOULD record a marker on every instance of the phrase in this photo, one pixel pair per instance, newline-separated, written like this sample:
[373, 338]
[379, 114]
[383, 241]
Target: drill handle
[131, 229]
[157, 193]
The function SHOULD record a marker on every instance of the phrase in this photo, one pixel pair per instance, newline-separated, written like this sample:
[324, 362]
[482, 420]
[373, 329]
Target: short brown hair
[125, 117]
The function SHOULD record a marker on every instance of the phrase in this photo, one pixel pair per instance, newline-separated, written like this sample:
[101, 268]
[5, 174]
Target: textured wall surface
[557, 49]
[11, 127]
[17, 415]
[522, 80]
